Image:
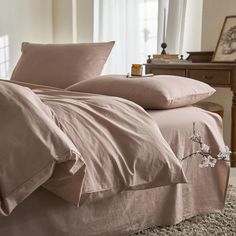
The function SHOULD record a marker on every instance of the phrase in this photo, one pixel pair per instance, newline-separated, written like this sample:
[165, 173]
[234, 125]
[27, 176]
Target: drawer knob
[208, 77]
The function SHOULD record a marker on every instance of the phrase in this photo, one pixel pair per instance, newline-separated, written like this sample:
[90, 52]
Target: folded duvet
[75, 144]
[30, 146]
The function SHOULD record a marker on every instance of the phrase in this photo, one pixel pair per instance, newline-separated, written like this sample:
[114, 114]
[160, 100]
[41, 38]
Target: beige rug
[203, 225]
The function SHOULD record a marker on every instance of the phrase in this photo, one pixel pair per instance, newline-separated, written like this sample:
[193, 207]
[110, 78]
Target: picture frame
[226, 46]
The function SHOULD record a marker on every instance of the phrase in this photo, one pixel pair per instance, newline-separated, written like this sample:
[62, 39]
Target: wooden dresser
[214, 74]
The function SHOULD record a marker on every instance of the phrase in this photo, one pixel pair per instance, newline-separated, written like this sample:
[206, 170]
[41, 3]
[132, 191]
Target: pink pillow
[158, 92]
[60, 65]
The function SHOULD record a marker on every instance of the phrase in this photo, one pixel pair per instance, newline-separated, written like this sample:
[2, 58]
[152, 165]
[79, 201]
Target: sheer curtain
[175, 25]
[137, 28]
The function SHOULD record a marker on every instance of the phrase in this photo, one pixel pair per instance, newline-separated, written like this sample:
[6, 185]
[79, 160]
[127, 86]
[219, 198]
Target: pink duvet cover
[119, 147]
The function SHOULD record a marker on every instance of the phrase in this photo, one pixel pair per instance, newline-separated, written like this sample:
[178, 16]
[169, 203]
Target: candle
[164, 27]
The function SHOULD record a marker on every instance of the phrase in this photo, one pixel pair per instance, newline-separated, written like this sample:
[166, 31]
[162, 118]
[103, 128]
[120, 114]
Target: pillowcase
[31, 144]
[60, 65]
[158, 92]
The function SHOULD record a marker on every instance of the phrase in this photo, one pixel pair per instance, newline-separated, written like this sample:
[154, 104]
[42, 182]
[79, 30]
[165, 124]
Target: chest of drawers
[215, 74]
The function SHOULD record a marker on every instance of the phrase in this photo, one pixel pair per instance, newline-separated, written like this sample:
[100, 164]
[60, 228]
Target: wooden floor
[232, 178]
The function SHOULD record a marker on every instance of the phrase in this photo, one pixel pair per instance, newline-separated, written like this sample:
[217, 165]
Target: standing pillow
[60, 65]
[158, 92]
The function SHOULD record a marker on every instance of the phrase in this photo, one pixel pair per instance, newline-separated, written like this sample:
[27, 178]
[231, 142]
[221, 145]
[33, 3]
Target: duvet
[75, 144]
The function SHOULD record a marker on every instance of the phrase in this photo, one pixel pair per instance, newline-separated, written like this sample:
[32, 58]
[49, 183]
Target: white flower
[224, 153]
[205, 148]
[204, 162]
[212, 161]
[208, 161]
[195, 138]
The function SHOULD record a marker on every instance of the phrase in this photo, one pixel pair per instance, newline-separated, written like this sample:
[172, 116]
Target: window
[4, 57]
[137, 26]
[132, 24]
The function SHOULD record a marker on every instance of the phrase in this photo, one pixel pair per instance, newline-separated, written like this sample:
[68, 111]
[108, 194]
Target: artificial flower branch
[208, 159]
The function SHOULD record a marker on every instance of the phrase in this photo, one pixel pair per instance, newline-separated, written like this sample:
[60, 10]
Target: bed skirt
[42, 213]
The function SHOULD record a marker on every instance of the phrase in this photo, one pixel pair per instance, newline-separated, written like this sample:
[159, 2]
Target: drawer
[162, 71]
[213, 77]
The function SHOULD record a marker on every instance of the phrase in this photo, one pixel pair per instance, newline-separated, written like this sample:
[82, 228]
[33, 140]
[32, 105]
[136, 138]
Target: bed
[148, 190]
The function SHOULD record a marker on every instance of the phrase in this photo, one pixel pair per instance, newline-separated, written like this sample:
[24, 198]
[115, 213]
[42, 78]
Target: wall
[72, 21]
[44, 21]
[62, 21]
[214, 12]
[25, 20]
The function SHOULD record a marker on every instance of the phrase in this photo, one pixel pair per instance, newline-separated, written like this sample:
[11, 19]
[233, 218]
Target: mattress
[43, 213]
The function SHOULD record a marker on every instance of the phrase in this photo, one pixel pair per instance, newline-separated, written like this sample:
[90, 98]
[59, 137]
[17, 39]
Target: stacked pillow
[158, 92]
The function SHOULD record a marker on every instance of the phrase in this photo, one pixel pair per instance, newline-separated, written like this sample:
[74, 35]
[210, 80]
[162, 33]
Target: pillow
[60, 65]
[158, 92]
[31, 146]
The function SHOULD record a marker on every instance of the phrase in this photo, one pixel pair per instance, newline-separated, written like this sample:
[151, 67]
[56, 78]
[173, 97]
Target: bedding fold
[31, 146]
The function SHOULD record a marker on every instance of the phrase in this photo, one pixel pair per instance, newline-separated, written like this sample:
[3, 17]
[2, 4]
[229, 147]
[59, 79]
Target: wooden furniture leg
[233, 131]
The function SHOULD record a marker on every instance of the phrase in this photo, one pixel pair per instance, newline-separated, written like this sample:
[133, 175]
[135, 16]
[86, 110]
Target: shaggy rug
[223, 223]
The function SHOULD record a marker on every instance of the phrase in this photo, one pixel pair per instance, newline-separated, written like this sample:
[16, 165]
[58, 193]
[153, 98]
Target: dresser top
[191, 65]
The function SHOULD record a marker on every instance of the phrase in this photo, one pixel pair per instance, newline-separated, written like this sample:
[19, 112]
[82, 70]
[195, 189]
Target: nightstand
[214, 74]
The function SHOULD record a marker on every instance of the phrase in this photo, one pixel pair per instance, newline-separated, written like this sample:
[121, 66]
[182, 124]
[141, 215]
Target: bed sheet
[176, 126]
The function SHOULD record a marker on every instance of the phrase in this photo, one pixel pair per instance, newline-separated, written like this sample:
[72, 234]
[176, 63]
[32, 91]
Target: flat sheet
[207, 124]
[129, 211]
[176, 126]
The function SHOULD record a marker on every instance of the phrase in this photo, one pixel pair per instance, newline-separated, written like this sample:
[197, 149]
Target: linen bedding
[123, 171]
[157, 92]
[31, 145]
[118, 146]
[130, 211]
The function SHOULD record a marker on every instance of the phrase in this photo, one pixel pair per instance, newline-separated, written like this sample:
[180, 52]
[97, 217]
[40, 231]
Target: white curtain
[175, 26]
[137, 28]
